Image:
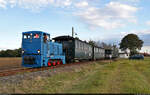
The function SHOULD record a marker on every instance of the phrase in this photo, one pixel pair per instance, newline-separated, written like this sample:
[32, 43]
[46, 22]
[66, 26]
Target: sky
[100, 20]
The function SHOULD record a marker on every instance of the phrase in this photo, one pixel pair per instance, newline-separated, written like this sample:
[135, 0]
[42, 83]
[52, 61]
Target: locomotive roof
[40, 32]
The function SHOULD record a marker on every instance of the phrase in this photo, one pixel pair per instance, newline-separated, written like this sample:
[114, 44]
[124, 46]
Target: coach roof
[61, 38]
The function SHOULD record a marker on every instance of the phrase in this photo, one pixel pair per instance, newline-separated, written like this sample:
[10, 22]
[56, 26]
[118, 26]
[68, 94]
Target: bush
[11, 53]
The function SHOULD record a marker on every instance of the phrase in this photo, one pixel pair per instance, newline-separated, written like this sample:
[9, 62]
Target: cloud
[82, 4]
[138, 32]
[113, 15]
[35, 4]
[3, 3]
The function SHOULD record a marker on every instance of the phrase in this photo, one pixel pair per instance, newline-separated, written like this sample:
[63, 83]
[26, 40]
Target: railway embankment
[121, 76]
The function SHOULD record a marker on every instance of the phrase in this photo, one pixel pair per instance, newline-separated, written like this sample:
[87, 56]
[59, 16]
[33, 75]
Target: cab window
[46, 37]
[26, 36]
[36, 36]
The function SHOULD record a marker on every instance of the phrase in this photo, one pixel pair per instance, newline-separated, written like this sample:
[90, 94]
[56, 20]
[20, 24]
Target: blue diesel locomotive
[39, 51]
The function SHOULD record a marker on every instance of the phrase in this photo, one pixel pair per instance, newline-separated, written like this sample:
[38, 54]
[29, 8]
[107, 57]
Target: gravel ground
[17, 79]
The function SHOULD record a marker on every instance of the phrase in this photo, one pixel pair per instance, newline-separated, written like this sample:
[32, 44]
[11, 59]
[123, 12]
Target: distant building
[124, 54]
[145, 49]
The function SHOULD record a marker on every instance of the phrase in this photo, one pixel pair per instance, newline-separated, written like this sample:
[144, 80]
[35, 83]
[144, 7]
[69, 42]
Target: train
[38, 50]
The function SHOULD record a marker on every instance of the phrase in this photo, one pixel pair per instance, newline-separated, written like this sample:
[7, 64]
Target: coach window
[76, 44]
[83, 46]
[80, 45]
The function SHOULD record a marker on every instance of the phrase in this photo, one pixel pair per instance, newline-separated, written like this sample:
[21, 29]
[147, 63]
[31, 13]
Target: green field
[122, 76]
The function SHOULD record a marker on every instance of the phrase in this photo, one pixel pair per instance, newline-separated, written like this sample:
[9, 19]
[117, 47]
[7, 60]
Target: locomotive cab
[38, 50]
[32, 52]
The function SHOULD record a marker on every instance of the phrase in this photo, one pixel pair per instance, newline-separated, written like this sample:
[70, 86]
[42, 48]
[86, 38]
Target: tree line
[11, 53]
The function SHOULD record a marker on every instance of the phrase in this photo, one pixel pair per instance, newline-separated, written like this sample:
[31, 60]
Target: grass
[123, 76]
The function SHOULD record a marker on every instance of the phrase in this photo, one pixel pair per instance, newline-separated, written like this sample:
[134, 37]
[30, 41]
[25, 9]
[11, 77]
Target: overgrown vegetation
[11, 53]
[123, 76]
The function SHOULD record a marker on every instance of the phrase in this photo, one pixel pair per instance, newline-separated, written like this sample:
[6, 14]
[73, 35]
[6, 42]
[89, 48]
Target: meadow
[9, 62]
[122, 76]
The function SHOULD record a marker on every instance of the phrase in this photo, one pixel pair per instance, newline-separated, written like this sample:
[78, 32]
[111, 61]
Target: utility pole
[72, 31]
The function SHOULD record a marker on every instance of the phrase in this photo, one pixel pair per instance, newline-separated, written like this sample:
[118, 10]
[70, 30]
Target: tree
[131, 42]
[10, 53]
[93, 43]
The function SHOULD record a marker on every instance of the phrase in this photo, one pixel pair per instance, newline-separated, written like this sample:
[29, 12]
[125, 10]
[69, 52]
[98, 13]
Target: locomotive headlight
[38, 51]
[22, 51]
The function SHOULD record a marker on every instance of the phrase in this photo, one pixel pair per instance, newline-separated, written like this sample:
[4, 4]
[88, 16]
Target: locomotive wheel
[58, 62]
[54, 63]
[49, 64]
[61, 62]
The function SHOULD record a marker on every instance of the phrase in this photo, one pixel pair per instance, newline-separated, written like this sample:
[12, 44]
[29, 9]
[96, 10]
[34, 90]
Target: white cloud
[3, 3]
[142, 32]
[35, 4]
[82, 4]
[138, 32]
[128, 1]
[118, 10]
[113, 15]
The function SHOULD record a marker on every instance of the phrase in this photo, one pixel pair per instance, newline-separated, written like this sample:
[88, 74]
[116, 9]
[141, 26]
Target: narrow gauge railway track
[24, 70]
